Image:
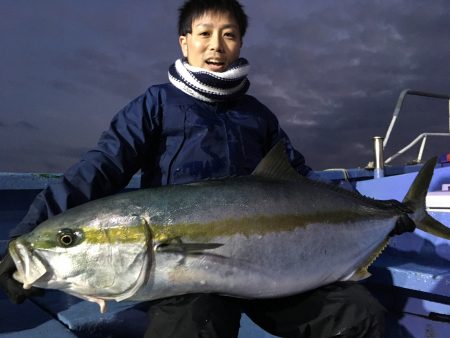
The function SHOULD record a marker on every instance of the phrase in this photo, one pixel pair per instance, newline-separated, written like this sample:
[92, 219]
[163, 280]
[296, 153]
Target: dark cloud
[335, 73]
[72, 153]
[25, 125]
[330, 70]
[97, 70]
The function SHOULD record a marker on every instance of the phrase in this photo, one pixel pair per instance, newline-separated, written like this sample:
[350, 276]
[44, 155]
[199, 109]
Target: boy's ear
[183, 44]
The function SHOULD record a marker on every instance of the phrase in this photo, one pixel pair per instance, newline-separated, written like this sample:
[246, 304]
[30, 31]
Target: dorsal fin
[276, 165]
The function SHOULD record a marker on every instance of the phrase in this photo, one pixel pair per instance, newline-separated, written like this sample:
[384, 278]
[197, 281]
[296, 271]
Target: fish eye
[67, 237]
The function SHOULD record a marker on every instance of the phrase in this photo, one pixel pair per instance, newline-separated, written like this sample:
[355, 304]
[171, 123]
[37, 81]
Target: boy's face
[215, 42]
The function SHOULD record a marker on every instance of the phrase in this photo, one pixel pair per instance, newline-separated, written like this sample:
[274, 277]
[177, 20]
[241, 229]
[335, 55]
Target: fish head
[107, 257]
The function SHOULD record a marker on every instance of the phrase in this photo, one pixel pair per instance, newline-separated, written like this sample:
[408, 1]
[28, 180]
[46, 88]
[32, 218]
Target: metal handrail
[423, 136]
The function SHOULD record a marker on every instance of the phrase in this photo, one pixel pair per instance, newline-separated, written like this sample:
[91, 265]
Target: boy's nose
[216, 43]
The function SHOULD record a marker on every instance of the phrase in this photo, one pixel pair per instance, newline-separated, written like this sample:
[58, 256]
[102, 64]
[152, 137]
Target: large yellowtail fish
[271, 234]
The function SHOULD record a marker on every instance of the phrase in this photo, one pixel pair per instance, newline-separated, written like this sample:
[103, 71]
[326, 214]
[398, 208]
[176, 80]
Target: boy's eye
[230, 34]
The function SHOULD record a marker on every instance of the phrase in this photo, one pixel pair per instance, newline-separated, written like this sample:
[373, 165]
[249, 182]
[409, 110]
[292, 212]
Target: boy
[201, 125]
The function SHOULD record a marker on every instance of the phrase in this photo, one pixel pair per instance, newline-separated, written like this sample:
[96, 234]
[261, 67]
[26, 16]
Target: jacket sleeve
[102, 171]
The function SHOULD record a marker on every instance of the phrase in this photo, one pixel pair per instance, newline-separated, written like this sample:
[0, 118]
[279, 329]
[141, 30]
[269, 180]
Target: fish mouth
[29, 266]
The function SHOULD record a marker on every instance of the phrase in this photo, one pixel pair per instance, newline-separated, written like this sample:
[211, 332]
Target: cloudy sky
[330, 70]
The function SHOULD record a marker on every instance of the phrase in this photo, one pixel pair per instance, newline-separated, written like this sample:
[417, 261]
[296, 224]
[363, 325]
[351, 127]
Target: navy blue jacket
[172, 138]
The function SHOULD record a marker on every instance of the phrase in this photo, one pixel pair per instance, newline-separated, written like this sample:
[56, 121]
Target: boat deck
[411, 278]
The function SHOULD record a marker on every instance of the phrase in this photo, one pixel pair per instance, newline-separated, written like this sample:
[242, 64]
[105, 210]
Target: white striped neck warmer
[211, 86]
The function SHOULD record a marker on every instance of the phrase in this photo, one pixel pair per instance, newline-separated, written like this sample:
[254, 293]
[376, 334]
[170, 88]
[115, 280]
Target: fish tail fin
[415, 201]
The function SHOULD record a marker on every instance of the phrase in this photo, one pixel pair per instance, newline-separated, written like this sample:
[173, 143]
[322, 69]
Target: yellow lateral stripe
[202, 232]
[246, 226]
[120, 234]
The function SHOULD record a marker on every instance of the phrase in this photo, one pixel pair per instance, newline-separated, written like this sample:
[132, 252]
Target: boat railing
[422, 137]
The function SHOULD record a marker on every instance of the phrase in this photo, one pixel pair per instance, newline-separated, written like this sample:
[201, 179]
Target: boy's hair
[193, 9]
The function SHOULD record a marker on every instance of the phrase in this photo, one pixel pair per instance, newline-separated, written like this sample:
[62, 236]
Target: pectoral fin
[177, 246]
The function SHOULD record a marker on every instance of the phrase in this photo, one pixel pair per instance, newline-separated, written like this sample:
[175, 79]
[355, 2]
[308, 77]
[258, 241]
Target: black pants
[344, 309]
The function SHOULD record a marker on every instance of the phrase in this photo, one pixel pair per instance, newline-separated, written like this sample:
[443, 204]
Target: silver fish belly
[270, 234]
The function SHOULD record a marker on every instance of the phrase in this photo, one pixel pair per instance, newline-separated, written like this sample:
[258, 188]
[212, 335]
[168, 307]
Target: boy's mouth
[215, 65]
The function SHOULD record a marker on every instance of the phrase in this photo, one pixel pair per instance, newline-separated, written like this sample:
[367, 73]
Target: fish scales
[270, 234]
[256, 219]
